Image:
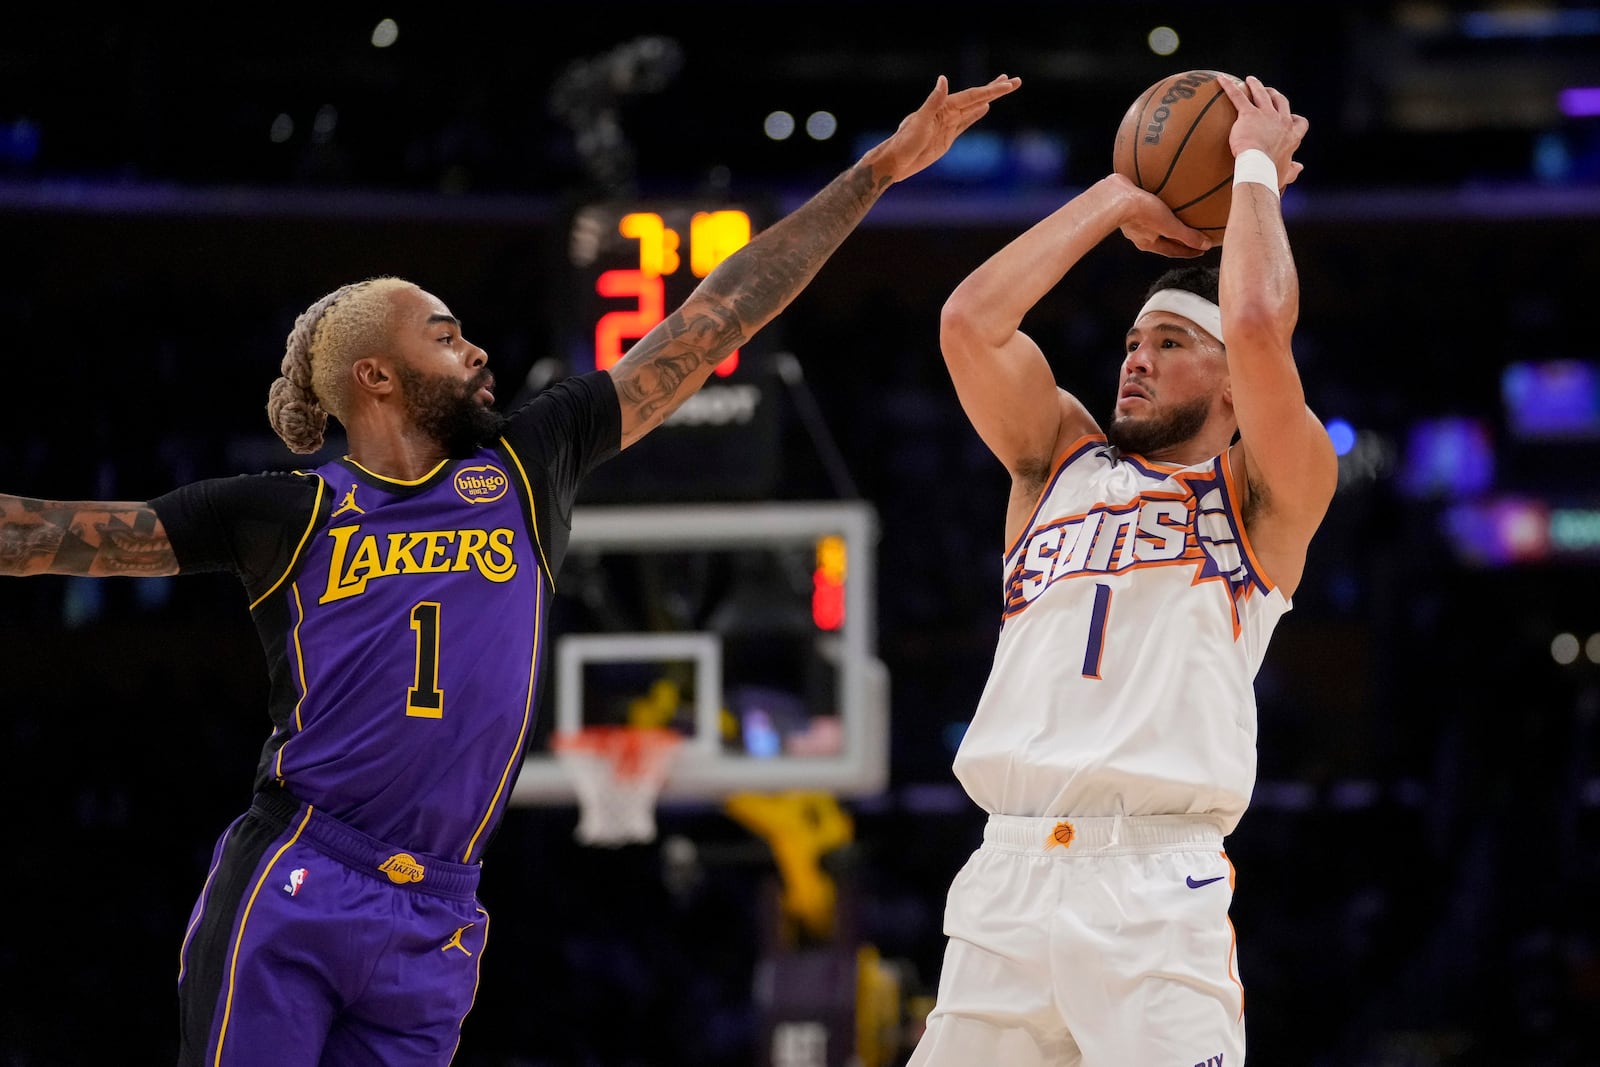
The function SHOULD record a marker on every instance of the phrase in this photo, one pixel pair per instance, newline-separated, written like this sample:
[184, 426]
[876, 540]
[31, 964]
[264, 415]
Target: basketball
[1173, 142]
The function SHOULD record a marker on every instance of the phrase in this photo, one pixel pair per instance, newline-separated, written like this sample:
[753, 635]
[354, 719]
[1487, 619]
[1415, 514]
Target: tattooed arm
[96, 539]
[749, 288]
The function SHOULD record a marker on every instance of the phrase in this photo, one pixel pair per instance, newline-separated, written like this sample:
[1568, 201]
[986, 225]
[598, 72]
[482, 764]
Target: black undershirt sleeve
[568, 429]
[559, 437]
[248, 524]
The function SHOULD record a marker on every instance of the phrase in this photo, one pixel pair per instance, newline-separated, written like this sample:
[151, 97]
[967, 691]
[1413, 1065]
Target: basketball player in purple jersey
[1144, 568]
[401, 594]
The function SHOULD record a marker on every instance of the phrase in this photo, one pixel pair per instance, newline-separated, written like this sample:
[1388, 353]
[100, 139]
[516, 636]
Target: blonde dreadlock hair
[327, 338]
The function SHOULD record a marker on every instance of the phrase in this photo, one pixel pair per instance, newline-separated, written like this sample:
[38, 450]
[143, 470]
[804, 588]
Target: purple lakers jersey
[404, 621]
[414, 642]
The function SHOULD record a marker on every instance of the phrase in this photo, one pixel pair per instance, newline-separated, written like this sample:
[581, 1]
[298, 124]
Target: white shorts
[1098, 942]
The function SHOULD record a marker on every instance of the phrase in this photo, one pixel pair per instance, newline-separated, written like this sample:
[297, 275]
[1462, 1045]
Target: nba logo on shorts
[297, 878]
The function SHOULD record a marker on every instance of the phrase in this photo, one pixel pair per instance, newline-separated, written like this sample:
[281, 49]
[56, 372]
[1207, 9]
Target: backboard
[747, 627]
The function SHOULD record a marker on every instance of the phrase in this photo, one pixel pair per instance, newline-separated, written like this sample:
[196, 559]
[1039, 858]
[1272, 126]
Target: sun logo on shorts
[1062, 835]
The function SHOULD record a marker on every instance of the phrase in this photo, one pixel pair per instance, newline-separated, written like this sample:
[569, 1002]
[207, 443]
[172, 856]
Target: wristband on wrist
[1254, 165]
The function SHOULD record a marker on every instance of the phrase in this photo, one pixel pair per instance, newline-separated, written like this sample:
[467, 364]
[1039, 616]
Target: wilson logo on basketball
[402, 868]
[482, 484]
[1062, 835]
[1182, 89]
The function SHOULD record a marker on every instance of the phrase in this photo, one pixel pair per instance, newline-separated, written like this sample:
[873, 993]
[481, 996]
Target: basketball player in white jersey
[1145, 565]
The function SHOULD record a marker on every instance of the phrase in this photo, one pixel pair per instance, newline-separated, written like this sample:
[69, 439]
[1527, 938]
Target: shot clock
[633, 262]
[644, 259]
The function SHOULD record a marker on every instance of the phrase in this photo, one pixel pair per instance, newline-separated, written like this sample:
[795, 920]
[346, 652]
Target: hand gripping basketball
[1173, 142]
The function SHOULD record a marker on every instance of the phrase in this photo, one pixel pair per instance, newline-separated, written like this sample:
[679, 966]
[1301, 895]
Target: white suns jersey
[1134, 621]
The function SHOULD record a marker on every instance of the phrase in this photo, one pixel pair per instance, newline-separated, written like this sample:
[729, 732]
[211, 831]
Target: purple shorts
[312, 942]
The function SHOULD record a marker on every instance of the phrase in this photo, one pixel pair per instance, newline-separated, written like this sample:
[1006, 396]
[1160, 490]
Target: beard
[1160, 432]
[449, 412]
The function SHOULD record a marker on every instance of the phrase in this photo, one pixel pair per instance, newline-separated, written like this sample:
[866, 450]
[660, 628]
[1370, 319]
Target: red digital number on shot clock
[713, 237]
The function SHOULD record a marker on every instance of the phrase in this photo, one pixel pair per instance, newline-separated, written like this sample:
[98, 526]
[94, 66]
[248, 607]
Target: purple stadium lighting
[1580, 102]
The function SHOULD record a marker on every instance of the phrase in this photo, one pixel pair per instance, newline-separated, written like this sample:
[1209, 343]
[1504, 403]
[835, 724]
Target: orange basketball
[1173, 141]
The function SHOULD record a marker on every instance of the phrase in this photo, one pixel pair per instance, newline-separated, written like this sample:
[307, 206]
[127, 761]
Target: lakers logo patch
[402, 868]
[1062, 835]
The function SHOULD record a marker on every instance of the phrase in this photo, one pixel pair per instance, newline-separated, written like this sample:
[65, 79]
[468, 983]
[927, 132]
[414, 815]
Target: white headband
[1192, 306]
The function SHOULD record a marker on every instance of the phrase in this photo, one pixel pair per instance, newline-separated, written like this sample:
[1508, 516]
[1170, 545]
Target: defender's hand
[928, 132]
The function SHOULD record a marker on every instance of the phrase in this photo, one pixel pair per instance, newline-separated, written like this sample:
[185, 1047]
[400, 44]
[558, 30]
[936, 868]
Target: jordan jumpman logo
[349, 504]
[455, 940]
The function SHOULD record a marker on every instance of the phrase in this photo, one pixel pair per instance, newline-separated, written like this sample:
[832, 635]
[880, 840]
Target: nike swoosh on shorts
[1204, 881]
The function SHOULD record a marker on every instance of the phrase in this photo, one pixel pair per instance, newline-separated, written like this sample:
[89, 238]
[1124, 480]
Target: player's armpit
[95, 539]
[1294, 468]
[1284, 507]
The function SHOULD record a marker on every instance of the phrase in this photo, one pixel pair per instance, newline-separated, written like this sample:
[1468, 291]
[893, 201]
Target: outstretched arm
[94, 539]
[749, 288]
[1289, 466]
[1004, 382]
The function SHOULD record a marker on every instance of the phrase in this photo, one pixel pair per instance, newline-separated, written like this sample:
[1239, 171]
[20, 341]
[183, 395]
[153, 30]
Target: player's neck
[1195, 450]
[403, 455]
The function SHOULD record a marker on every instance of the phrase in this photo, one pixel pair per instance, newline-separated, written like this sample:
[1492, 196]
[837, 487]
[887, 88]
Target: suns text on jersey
[1149, 531]
[358, 558]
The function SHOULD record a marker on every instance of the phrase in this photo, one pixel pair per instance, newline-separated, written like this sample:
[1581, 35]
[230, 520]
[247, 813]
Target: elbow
[1261, 314]
[1257, 325]
[959, 322]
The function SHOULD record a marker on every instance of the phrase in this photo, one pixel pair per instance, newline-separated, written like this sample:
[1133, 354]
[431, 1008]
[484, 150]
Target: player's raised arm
[1004, 382]
[1290, 466]
[96, 539]
[749, 288]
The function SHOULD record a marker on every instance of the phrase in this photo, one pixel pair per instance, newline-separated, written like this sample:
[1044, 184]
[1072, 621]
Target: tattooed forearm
[95, 539]
[744, 293]
[788, 254]
[661, 370]
[649, 385]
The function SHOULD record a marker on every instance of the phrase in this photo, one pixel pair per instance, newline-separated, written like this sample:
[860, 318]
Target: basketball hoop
[617, 773]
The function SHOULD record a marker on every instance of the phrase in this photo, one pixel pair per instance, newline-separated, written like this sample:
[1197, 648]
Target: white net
[617, 773]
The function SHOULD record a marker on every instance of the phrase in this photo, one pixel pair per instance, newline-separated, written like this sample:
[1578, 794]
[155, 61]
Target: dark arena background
[1417, 876]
